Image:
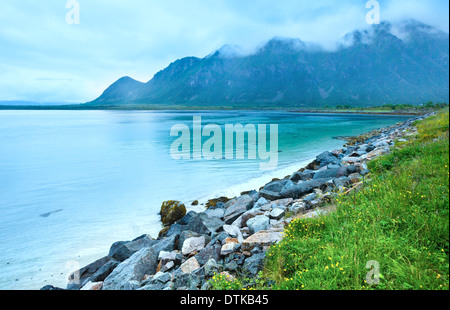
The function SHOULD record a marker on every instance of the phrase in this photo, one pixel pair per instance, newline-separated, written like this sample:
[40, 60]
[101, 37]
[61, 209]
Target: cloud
[44, 58]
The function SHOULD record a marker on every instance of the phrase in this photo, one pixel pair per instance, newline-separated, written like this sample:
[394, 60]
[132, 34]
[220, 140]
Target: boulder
[327, 158]
[192, 245]
[167, 257]
[331, 173]
[342, 181]
[303, 188]
[261, 240]
[167, 244]
[282, 203]
[104, 271]
[277, 214]
[249, 215]
[190, 265]
[205, 225]
[121, 251]
[229, 248]
[141, 263]
[258, 223]
[211, 267]
[261, 202]
[218, 212]
[254, 264]
[234, 232]
[377, 152]
[184, 236]
[187, 218]
[171, 212]
[186, 281]
[303, 176]
[272, 190]
[211, 251]
[156, 283]
[80, 277]
[240, 206]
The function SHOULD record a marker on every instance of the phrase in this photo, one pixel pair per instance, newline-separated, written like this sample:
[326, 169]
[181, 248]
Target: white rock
[229, 248]
[192, 245]
[234, 232]
[190, 265]
[277, 214]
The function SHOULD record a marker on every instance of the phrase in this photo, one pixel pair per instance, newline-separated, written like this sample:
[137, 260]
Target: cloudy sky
[43, 58]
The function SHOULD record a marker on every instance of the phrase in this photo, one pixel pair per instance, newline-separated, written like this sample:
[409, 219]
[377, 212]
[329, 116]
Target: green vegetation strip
[400, 219]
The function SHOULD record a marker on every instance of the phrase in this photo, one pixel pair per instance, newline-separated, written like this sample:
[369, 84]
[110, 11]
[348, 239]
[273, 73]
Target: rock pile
[232, 235]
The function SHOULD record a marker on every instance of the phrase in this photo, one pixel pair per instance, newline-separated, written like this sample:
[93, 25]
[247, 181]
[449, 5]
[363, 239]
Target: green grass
[400, 219]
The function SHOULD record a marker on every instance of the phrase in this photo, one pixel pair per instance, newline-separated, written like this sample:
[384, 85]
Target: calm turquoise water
[108, 172]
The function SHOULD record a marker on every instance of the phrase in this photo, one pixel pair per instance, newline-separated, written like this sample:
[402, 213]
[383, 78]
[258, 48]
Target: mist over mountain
[399, 63]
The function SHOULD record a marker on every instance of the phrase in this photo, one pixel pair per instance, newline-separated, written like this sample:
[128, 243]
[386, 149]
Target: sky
[44, 58]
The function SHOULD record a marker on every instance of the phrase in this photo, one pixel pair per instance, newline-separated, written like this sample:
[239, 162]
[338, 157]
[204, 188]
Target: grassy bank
[400, 220]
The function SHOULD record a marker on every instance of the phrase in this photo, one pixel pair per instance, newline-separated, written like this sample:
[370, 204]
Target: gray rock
[205, 225]
[303, 188]
[167, 244]
[192, 245]
[211, 251]
[132, 285]
[104, 271]
[261, 239]
[353, 169]
[282, 203]
[239, 207]
[249, 215]
[232, 266]
[168, 266]
[272, 190]
[261, 202]
[157, 282]
[166, 257]
[258, 223]
[331, 173]
[342, 181]
[187, 218]
[218, 212]
[121, 251]
[229, 248]
[143, 262]
[186, 281]
[211, 267]
[277, 214]
[234, 232]
[298, 207]
[310, 197]
[254, 264]
[303, 176]
[80, 277]
[184, 236]
[327, 158]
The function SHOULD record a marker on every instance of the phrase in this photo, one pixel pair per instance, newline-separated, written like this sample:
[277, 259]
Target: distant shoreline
[178, 108]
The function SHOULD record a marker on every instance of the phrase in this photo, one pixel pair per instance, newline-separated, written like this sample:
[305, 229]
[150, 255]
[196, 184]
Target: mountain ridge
[388, 63]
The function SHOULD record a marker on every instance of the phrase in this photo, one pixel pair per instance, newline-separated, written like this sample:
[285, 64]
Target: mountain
[406, 62]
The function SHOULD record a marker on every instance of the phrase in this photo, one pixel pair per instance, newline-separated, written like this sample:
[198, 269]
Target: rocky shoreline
[232, 235]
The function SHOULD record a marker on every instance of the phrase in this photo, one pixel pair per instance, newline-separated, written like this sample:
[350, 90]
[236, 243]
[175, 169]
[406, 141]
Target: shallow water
[74, 182]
